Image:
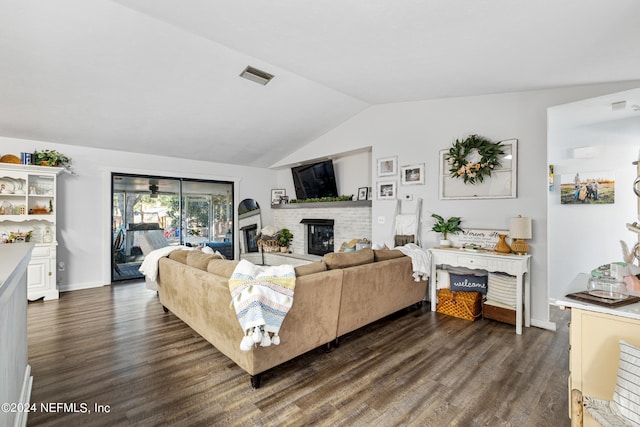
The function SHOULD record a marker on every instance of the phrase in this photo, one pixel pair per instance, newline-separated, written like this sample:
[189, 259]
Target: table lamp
[520, 229]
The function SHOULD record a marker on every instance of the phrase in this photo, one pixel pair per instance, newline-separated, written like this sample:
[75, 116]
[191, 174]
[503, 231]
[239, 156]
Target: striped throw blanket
[262, 297]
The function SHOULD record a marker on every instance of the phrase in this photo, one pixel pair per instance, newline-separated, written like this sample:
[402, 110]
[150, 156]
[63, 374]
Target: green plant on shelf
[449, 226]
[343, 198]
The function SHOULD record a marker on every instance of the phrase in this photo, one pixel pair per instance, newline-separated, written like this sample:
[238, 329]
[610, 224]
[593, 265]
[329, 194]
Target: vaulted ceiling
[161, 76]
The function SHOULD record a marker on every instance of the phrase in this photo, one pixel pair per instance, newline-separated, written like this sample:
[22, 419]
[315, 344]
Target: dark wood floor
[114, 346]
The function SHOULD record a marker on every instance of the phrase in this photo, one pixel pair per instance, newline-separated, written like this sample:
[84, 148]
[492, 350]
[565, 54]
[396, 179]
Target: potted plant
[51, 158]
[449, 226]
[284, 239]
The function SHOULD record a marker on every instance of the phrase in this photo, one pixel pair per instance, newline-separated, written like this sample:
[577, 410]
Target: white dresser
[515, 265]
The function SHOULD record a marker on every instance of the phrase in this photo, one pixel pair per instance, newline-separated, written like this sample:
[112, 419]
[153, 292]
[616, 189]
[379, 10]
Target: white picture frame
[412, 174]
[387, 166]
[502, 184]
[386, 190]
[277, 195]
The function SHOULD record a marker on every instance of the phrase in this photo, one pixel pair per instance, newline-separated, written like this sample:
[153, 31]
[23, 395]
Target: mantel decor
[473, 158]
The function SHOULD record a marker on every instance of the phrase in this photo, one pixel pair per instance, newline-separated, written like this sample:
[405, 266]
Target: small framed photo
[363, 193]
[277, 195]
[388, 166]
[412, 174]
[386, 190]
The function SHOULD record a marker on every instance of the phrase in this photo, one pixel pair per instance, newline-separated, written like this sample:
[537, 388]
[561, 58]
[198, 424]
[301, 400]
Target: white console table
[515, 265]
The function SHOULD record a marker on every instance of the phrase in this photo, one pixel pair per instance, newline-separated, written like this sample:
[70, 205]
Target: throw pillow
[501, 288]
[626, 396]
[179, 255]
[199, 260]
[348, 259]
[385, 254]
[468, 283]
[222, 267]
[314, 267]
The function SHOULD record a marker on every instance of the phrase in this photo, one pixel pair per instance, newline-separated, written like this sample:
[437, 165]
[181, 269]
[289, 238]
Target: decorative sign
[484, 238]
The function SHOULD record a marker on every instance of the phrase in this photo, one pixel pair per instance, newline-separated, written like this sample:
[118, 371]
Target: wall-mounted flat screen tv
[315, 180]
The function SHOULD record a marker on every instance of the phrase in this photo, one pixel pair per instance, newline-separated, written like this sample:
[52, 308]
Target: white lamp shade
[520, 228]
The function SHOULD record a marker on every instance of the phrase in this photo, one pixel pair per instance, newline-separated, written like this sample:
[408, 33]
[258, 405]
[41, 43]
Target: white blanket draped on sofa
[149, 266]
[420, 260]
[262, 297]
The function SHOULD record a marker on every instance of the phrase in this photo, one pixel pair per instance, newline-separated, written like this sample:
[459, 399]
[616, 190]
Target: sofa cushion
[179, 255]
[222, 267]
[200, 260]
[314, 267]
[348, 259]
[385, 254]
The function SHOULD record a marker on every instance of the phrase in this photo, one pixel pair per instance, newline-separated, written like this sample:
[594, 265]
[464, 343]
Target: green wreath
[473, 171]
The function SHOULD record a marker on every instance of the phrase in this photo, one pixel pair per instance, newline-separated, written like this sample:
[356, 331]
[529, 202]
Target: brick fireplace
[350, 220]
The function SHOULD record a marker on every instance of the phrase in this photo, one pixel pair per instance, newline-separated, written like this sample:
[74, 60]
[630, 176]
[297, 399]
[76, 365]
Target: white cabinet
[28, 212]
[594, 335]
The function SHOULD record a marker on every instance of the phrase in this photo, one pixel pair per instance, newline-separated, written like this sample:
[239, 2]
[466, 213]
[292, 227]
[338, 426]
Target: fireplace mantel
[312, 205]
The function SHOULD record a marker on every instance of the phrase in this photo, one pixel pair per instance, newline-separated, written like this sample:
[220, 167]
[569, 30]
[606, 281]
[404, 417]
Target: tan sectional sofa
[335, 296]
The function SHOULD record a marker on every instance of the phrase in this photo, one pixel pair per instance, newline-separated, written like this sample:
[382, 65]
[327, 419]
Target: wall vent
[255, 75]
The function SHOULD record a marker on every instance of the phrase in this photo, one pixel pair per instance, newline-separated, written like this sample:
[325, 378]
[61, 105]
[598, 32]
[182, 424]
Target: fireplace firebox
[250, 233]
[319, 236]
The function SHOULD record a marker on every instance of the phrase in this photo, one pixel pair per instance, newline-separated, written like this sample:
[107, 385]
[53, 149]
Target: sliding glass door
[183, 211]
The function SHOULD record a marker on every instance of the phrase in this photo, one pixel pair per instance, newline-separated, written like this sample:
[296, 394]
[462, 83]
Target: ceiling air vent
[256, 75]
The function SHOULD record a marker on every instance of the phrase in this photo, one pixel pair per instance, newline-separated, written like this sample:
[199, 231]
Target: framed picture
[587, 188]
[388, 166]
[363, 193]
[412, 174]
[277, 195]
[369, 193]
[386, 190]
[502, 184]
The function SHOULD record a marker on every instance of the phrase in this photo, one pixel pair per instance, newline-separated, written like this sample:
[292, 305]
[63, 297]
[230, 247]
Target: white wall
[417, 131]
[84, 218]
[582, 237]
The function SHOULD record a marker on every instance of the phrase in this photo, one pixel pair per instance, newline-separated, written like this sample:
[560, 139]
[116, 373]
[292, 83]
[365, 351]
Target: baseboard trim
[544, 324]
[25, 396]
[78, 286]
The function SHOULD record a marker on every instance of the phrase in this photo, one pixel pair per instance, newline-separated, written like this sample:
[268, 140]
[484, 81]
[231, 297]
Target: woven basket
[269, 245]
[10, 158]
[464, 305]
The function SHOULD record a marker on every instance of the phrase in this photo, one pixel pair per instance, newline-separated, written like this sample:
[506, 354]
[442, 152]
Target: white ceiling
[161, 76]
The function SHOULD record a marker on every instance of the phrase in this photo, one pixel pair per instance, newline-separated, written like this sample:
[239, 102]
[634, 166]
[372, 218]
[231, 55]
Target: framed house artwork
[587, 188]
[412, 174]
[386, 190]
[388, 166]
